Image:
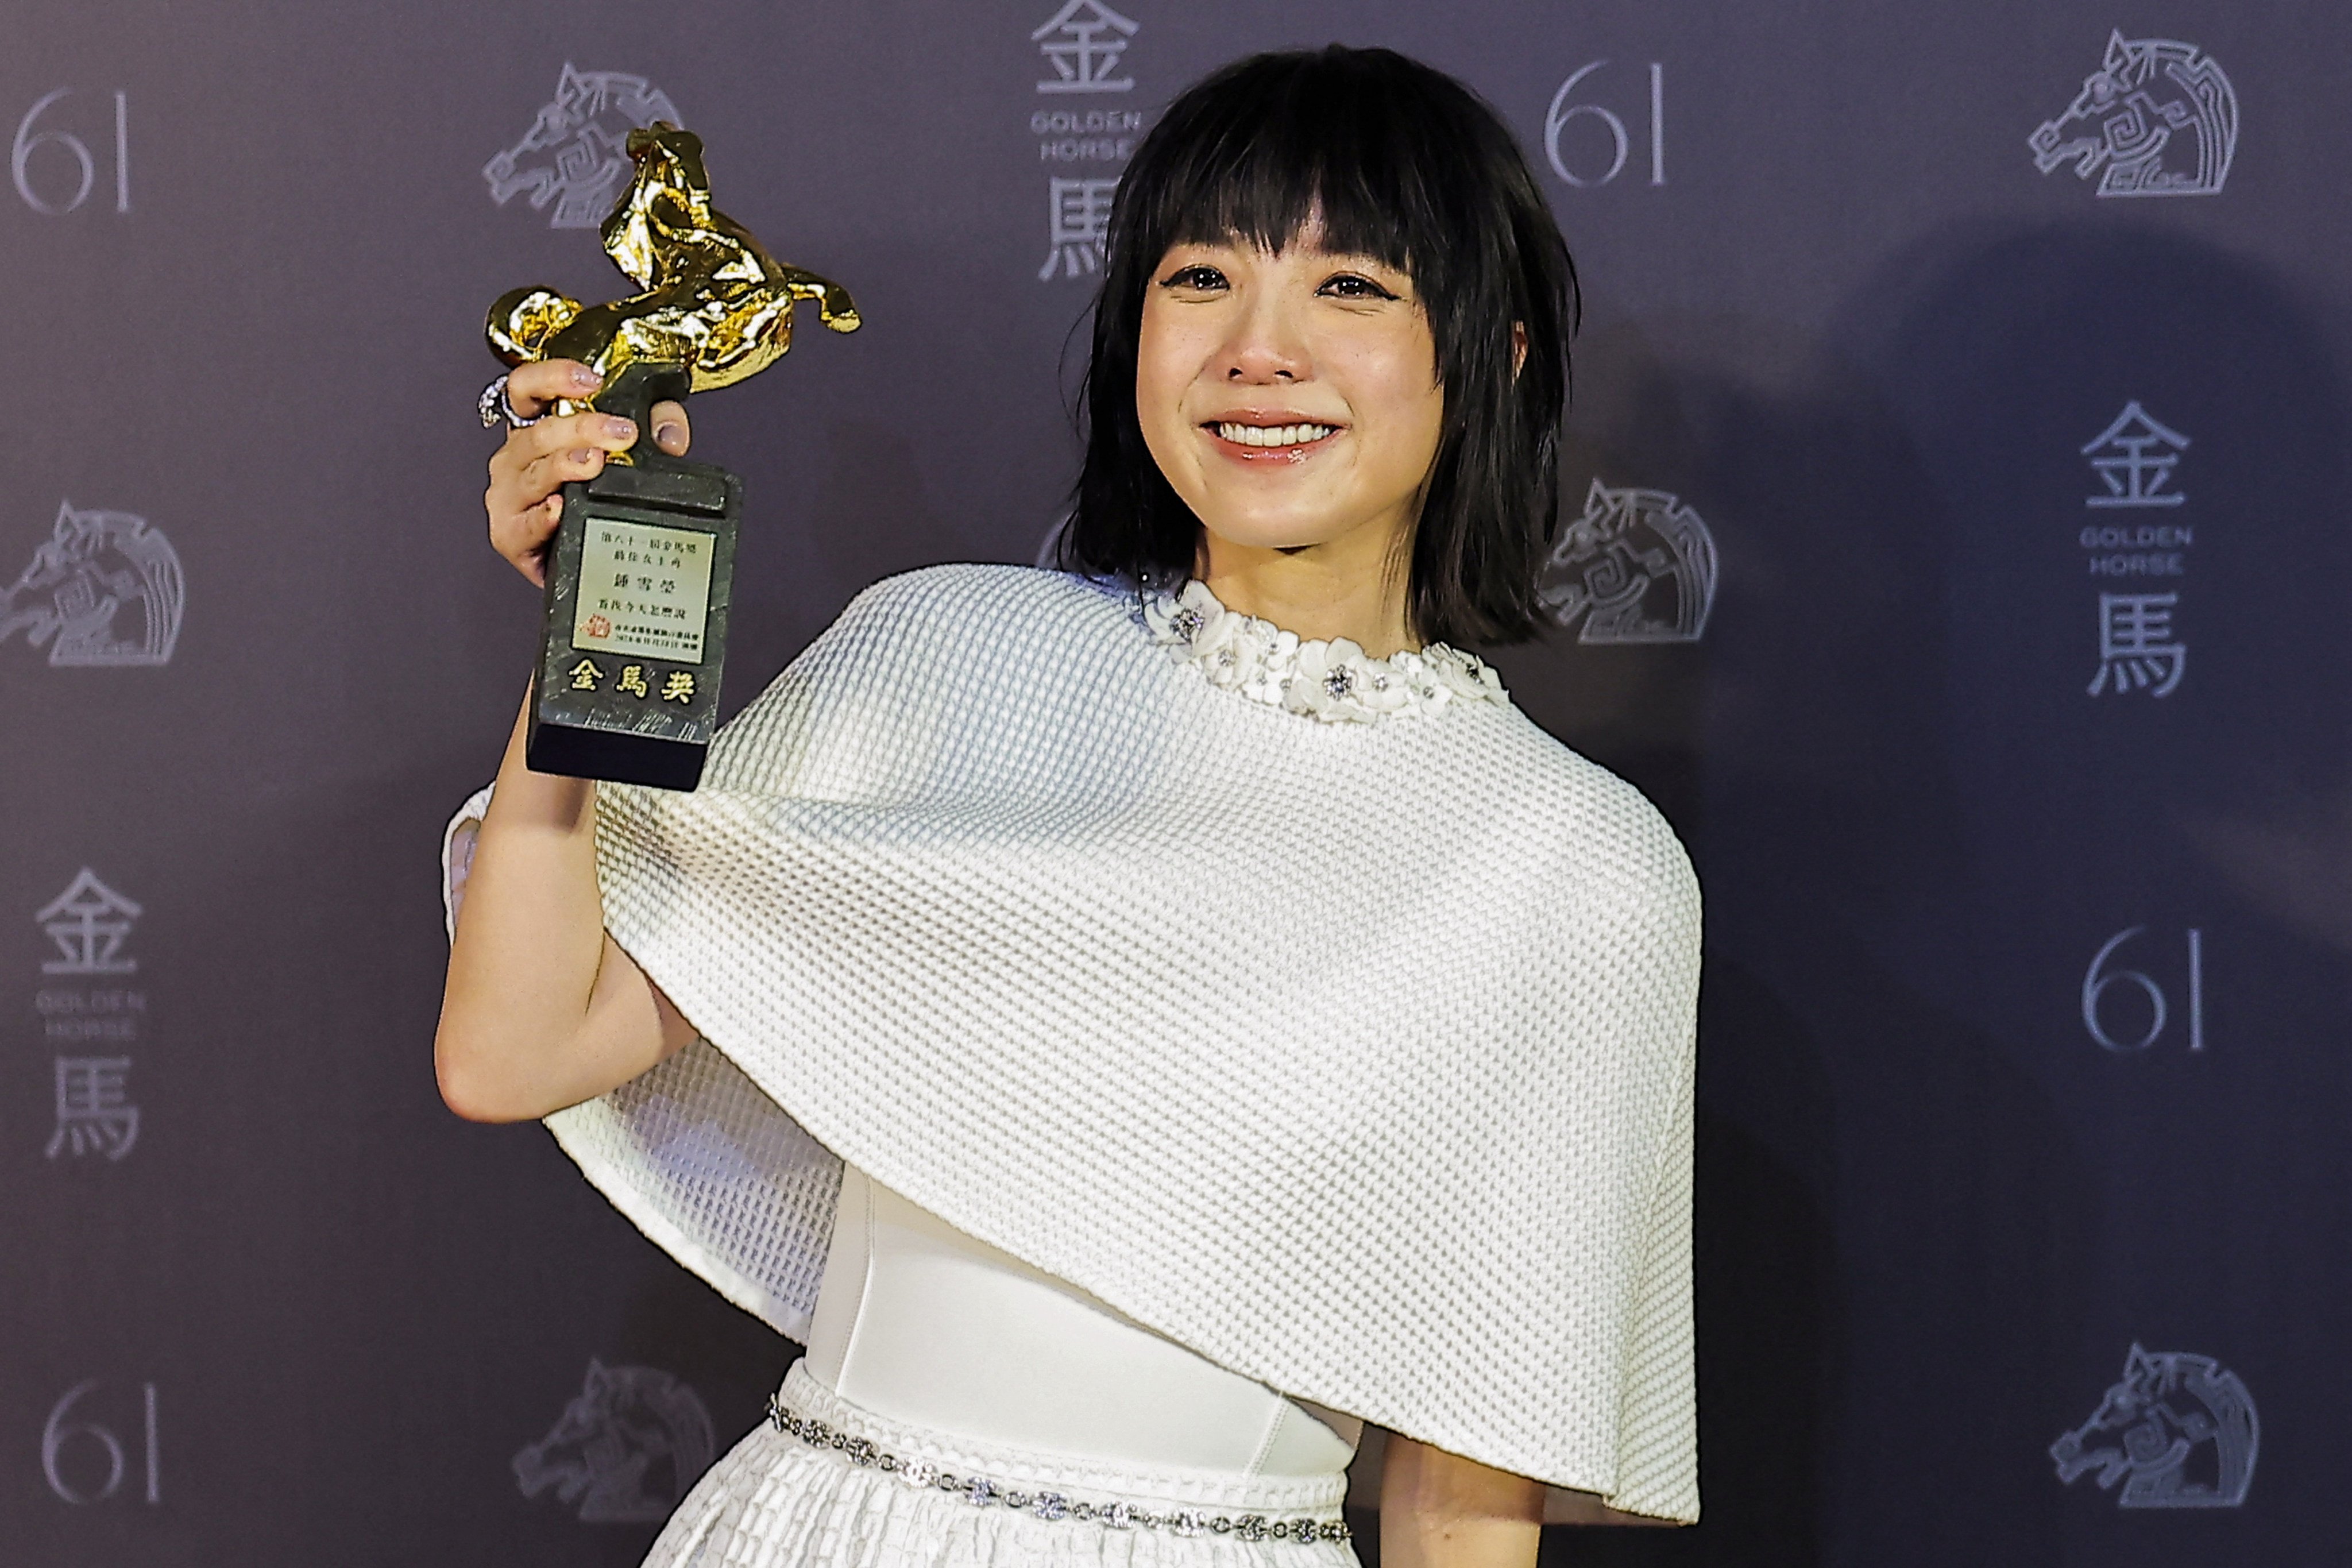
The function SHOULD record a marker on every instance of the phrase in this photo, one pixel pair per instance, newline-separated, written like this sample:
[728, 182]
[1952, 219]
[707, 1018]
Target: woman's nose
[1263, 350]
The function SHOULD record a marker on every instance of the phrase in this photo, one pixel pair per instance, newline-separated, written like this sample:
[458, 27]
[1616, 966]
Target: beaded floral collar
[1333, 680]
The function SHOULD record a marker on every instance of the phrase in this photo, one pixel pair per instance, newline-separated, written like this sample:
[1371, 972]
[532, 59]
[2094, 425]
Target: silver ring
[494, 406]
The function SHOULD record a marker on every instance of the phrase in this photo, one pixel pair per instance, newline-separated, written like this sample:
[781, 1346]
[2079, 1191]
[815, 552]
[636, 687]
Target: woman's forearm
[540, 1008]
[1441, 1511]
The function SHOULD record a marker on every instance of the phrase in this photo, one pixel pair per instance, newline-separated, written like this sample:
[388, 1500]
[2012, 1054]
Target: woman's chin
[1285, 536]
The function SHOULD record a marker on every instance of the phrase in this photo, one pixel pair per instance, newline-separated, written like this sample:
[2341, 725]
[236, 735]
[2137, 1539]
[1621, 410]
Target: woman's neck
[1318, 592]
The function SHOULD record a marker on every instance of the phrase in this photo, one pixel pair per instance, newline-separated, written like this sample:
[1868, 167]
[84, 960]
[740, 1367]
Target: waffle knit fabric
[1356, 1056]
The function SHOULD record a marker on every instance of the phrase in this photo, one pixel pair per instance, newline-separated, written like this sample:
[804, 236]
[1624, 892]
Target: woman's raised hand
[537, 459]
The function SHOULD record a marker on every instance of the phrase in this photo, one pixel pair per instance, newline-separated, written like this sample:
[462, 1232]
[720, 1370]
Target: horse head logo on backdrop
[1638, 567]
[2158, 117]
[575, 154]
[604, 1451]
[2179, 1431]
[103, 589]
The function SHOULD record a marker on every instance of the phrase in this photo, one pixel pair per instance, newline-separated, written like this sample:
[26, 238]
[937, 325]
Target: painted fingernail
[584, 453]
[620, 429]
[670, 436]
[583, 376]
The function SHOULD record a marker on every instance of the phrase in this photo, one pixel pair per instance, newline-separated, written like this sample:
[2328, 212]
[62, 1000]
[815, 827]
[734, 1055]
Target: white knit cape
[1355, 1057]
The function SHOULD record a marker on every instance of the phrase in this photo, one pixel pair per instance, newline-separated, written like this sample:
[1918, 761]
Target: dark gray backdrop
[267, 1302]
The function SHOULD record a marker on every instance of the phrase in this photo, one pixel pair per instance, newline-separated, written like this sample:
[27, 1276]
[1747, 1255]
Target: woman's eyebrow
[1362, 259]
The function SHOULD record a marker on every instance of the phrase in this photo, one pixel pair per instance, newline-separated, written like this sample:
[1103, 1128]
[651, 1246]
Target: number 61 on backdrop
[1562, 112]
[70, 1431]
[28, 142]
[2106, 973]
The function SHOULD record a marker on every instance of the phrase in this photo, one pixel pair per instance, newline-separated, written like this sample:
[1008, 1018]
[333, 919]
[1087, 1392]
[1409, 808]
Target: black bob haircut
[1397, 161]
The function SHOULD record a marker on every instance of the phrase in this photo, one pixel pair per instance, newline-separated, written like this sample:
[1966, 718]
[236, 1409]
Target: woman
[1139, 1024]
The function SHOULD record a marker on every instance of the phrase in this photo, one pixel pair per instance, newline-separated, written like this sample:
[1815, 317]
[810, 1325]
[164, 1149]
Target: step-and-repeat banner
[1955, 548]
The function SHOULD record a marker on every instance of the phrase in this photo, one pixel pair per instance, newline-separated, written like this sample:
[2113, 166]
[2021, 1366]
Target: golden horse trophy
[641, 570]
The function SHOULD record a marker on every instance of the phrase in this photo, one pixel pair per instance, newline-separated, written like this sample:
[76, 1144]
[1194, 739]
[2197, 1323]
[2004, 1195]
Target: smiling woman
[1292, 396]
[1145, 1024]
[1339, 258]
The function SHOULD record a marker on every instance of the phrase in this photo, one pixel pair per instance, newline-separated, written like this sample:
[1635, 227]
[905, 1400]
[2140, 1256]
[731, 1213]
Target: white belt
[919, 1322]
[1304, 1512]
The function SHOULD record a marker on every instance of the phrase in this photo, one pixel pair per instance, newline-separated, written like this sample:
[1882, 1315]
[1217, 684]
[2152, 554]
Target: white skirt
[847, 1489]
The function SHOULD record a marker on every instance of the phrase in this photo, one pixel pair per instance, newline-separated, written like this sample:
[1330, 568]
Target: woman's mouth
[1296, 439]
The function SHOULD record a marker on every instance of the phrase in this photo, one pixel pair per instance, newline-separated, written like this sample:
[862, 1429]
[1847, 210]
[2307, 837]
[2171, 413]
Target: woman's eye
[1351, 286]
[1194, 276]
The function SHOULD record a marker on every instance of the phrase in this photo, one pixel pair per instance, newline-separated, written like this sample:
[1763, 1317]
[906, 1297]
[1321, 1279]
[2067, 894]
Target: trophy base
[580, 753]
[640, 577]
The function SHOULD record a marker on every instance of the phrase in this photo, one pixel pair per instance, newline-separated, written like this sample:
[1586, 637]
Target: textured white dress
[1318, 1014]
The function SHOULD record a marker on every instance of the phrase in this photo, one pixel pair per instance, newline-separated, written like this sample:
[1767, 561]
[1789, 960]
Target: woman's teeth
[1273, 435]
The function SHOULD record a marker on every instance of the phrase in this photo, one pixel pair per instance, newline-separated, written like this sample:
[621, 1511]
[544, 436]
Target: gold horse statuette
[715, 307]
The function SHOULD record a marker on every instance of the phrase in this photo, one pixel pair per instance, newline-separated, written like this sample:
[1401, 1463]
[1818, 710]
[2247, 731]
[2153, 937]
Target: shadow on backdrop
[1911, 812]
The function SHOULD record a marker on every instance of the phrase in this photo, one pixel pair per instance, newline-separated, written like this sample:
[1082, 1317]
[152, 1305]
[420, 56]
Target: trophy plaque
[641, 570]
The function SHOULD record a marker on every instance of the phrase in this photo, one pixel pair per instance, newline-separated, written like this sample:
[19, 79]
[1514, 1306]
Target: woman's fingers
[538, 459]
[541, 477]
[608, 432]
[529, 470]
[521, 538]
[574, 433]
[531, 387]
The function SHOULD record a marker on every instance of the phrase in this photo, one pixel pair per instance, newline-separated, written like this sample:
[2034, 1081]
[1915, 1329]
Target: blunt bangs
[1310, 155]
[1365, 153]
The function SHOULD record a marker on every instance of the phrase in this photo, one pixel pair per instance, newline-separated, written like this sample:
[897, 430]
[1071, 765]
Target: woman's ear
[1518, 348]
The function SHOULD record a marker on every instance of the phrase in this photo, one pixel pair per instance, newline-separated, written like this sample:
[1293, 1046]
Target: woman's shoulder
[963, 629]
[1581, 810]
[961, 597]
[928, 651]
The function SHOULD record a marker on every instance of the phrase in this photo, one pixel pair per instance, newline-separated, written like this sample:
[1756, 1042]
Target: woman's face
[1291, 400]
